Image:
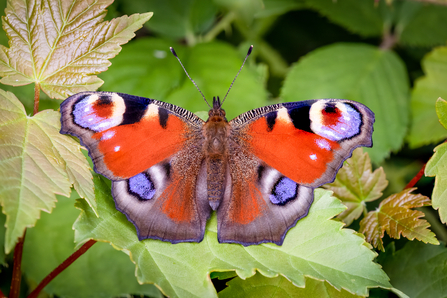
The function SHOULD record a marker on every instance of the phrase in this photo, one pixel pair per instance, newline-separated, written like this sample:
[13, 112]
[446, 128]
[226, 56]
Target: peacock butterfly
[170, 169]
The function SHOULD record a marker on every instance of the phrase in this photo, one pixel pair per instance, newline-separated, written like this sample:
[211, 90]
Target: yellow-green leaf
[437, 166]
[36, 163]
[60, 45]
[261, 286]
[356, 184]
[395, 216]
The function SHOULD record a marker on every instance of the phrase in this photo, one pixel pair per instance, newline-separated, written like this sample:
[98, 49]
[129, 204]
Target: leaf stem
[16, 270]
[223, 24]
[36, 98]
[389, 41]
[61, 268]
[416, 178]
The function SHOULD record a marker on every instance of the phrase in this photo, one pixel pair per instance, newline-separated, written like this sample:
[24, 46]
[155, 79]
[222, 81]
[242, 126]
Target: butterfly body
[170, 169]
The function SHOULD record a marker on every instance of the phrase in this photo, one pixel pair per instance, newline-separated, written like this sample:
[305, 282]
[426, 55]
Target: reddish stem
[61, 268]
[36, 98]
[2, 295]
[16, 270]
[416, 178]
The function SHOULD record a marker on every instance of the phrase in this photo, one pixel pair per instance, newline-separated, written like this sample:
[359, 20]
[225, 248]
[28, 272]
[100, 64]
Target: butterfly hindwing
[169, 200]
[260, 204]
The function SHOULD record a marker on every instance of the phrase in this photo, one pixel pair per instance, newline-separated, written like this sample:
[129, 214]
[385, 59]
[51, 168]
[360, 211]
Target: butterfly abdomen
[215, 131]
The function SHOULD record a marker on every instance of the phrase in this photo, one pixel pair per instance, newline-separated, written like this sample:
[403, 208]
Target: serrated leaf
[317, 247]
[395, 216]
[374, 77]
[425, 127]
[36, 162]
[420, 24]
[361, 17]
[261, 286]
[60, 45]
[213, 67]
[176, 18]
[356, 184]
[100, 272]
[437, 166]
[418, 269]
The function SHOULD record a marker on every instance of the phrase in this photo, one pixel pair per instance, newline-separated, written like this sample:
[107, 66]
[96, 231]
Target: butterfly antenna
[175, 55]
[246, 57]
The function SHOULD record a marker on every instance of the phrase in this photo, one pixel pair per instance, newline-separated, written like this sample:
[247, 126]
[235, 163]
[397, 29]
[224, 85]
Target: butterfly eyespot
[283, 191]
[142, 186]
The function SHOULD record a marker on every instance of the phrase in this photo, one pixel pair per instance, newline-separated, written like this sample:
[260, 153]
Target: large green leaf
[437, 166]
[36, 162]
[419, 270]
[374, 77]
[145, 67]
[425, 127]
[100, 272]
[420, 24]
[176, 18]
[61, 44]
[261, 286]
[213, 67]
[362, 17]
[317, 247]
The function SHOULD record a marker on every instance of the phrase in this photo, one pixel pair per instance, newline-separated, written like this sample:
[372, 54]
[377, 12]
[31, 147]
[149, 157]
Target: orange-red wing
[125, 134]
[306, 141]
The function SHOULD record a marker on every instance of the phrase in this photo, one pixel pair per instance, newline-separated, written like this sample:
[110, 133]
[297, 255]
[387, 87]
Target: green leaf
[441, 111]
[100, 272]
[420, 24]
[213, 67]
[374, 77]
[246, 10]
[425, 127]
[36, 162]
[176, 19]
[437, 166]
[261, 286]
[418, 269]
[60, 45]
[361, 17]
[396, 217]
[146, 68]
[317, 247]
[278, 7]
[356, 184]
[2, 239]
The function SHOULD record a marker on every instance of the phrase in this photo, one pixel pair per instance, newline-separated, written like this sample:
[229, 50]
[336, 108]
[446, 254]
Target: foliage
[356, 184]
[160, 262]
[389, 55]
[396, 217]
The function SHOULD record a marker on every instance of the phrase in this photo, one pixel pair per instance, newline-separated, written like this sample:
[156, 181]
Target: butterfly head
[217, 112]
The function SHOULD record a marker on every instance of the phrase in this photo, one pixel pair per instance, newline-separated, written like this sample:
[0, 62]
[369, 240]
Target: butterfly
[170, 170]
